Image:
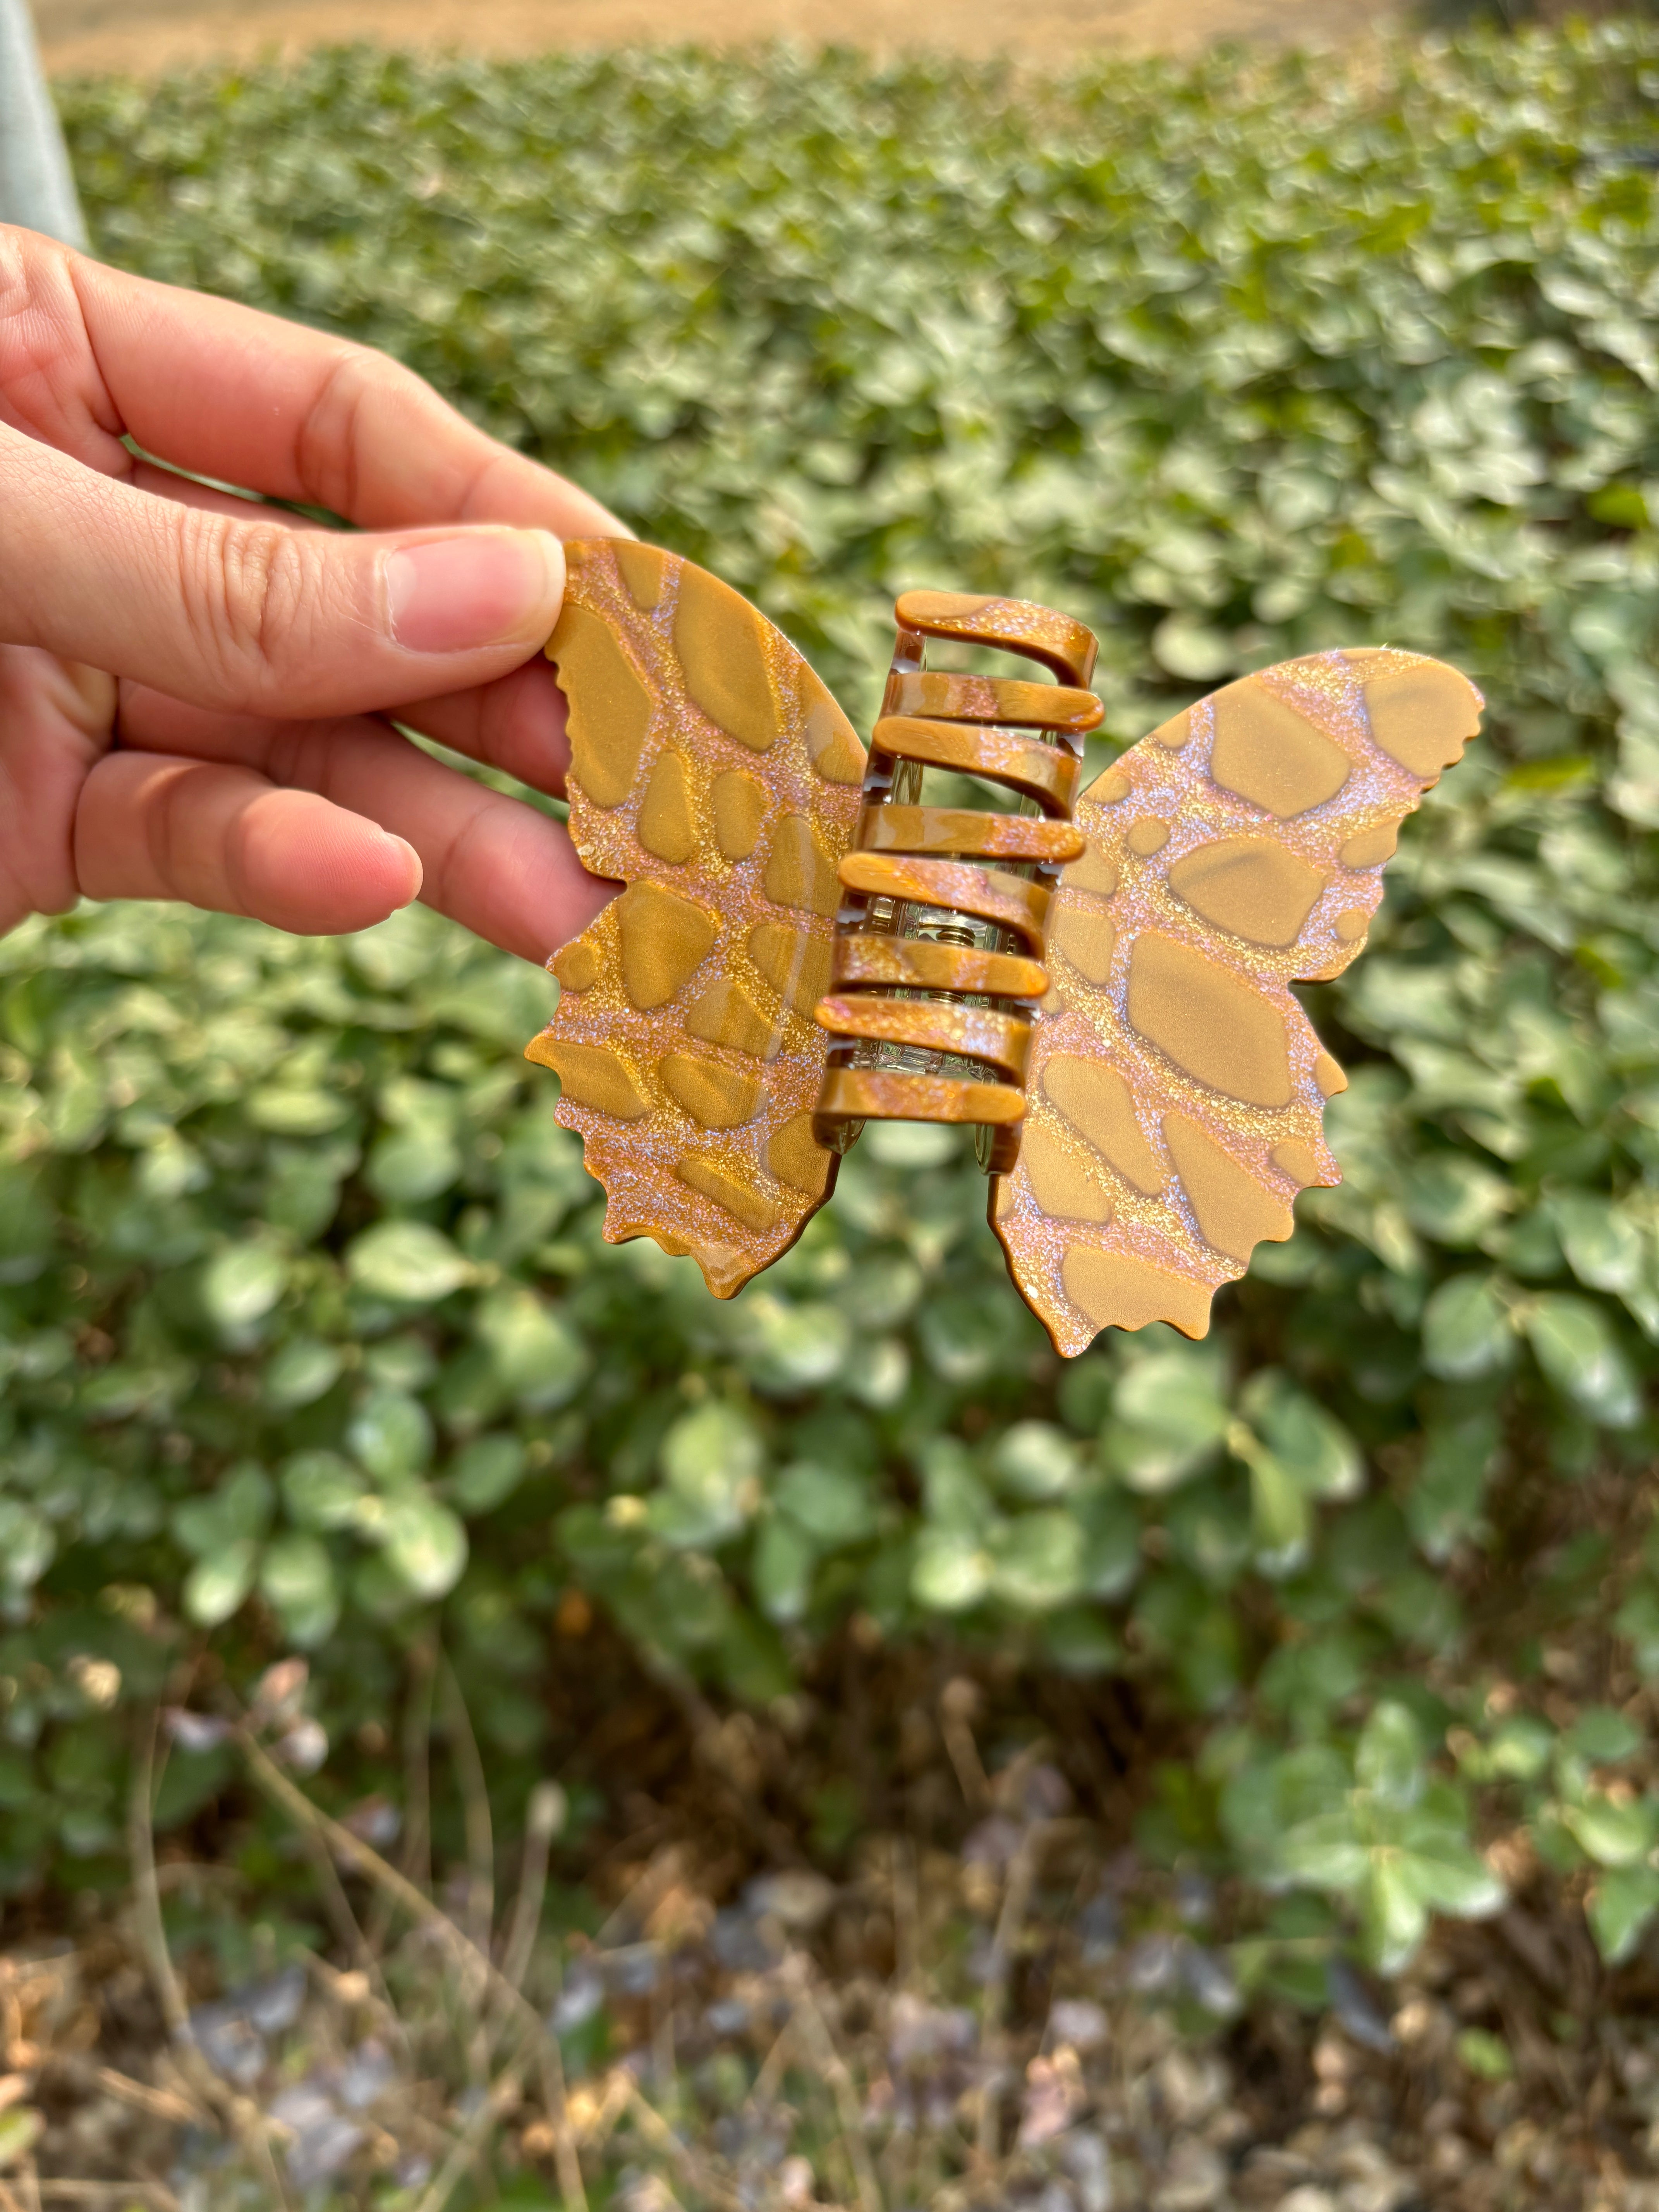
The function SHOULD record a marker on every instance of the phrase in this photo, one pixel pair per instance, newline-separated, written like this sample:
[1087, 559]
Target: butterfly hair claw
[1097, 981]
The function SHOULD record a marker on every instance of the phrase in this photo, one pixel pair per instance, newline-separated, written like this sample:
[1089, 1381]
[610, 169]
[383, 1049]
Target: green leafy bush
[307, 1324]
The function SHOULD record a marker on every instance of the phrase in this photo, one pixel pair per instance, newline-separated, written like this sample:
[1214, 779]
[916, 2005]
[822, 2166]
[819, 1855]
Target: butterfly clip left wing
[711, 775]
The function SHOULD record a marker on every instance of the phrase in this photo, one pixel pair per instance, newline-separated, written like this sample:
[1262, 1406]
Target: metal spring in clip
[937, 975]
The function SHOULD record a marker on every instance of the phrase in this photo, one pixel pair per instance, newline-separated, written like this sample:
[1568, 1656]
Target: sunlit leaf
[1616, 1832]
[218, 1583]
[1576, 1348]
[1620, 1910]
[297, 1576]
[408, 1262]
[425, 1544]
[242, 1284]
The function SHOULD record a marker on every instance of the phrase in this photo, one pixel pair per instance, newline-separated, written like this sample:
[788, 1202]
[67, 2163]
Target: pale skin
[197, 693]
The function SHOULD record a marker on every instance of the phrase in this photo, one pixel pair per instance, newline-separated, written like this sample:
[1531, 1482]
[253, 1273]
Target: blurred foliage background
[308, 1339]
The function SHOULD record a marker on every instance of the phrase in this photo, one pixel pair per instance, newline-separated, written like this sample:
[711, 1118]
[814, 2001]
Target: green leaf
[238, 1510]
[960, 1335]
[390, 1435]
[216, 1585]
[291, 1111]
[1309, 1444]
[1393, 1916]
[1603, 1246]
[300, 1372]
[790, 1348]
[1575, 1347]
[1280, 1516]
[1620, 1910]
[1443, 1506]
[712, 1460]
[1111, 1543]
[1638, 1619]
[1192, 650]
[784, 1558]
[1036, 1460]
[1169, 1418]
[1455, 1201]
[951, 1571]
[1079, 1640]
[1467, 1329]
[1389, 1760]
[541, 1360]
[28, 1546]
[21, 2128]
[1445, 1870]
[1325, 1852]
[296, 1578]
[1486, 2055]
[1615, 1832]
[953, 1497]
[408, 1262]
[1520, 1748]
[484, 1473]
[1604, 1737]
[1037, 1561]
[425, 1545]
[321, 1490]
[411, 1165]
[830, 1504]
[240, 1285]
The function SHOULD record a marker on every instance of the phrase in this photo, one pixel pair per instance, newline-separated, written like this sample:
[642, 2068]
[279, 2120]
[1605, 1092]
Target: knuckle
[247, 594]
[330, 440]
[42, 336]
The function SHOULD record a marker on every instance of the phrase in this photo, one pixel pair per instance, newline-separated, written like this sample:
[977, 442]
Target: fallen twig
[693, 2170]
[502, 2097]
[239, 2116]
[823, 2048]
[109, 2192]
[368, 1861]
[1016, 1897]
[475, 1800]
[566, 2162]
[160, 2104]
[543, 1818]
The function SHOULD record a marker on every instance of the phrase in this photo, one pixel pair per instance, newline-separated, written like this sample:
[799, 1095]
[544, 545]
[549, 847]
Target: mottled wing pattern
[713, 776]
[1176, 1095]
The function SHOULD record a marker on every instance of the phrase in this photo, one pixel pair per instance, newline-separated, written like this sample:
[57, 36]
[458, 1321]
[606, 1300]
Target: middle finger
[500, 868]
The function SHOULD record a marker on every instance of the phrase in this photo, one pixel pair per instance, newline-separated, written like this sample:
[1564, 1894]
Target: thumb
[251, 615]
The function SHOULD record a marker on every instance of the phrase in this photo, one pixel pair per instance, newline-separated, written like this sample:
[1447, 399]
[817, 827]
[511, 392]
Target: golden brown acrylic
[962, 943]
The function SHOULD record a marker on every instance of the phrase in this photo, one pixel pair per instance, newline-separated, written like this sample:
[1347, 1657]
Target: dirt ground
[151, 35]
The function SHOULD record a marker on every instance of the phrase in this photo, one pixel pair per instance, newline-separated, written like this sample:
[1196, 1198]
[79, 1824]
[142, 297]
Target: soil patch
[146, 37]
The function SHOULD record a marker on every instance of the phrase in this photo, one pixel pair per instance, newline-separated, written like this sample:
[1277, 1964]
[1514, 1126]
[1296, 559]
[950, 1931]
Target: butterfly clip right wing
[1177, 1088]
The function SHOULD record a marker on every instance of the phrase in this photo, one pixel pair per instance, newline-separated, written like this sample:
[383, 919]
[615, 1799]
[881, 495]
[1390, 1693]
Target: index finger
[226, 391]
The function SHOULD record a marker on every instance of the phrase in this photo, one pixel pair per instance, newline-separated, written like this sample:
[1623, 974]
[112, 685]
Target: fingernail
[412, 860]
[490, 587]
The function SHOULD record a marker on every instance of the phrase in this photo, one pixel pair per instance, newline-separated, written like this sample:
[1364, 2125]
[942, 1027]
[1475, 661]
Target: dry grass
[1030, 2020]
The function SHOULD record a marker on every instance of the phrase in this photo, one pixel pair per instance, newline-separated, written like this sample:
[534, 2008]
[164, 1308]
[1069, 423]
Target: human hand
[193, 687]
